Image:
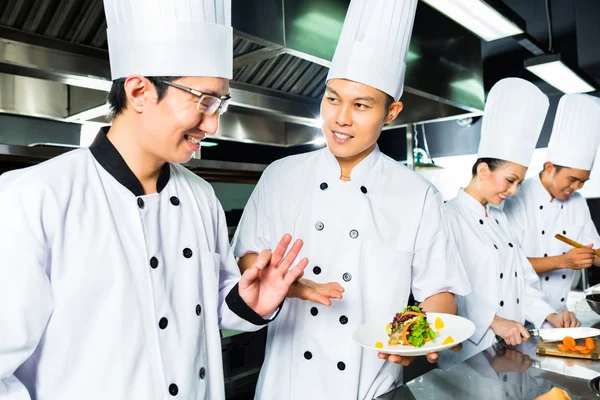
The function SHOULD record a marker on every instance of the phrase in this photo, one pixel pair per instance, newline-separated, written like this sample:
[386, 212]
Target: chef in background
[548, 203]
[506, 291]
[115, 267]
[373, 229]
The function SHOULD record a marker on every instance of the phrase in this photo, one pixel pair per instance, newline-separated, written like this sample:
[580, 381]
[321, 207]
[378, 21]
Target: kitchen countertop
[503, 372]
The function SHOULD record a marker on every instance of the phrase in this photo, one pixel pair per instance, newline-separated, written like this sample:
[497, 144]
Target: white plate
[374, 331]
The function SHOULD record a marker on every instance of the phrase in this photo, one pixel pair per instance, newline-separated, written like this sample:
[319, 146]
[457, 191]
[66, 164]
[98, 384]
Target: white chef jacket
[503, 281]
[379, 235]
[535, 219]
[107, 293]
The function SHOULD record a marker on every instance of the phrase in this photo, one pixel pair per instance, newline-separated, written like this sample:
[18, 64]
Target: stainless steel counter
[504, 372]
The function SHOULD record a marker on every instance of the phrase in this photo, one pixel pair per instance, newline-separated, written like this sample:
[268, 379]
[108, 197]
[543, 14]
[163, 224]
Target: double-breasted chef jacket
[108, 293]
[503, 281]
[379, 235]
[536, 218]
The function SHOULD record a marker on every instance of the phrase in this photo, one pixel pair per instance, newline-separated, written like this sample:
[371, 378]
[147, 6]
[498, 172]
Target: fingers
[432, 357]
[294, 274]
[396, 359]
[332, 290]
[570, 320]
[281, 249]
[524, 332]
[566, 318]
[289, 258]
[248, 277]
[307, 293]
[456, 348]
[263, 259]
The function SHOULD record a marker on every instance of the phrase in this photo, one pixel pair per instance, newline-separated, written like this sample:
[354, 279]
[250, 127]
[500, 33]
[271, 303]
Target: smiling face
[353, 115]
[172, 128]
[564, 181]
[498, 183]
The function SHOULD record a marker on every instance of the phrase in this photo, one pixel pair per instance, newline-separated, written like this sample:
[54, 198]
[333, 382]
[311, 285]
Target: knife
[558, 334]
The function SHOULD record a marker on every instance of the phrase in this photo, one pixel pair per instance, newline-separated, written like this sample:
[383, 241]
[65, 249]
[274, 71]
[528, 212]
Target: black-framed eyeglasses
[207, 103]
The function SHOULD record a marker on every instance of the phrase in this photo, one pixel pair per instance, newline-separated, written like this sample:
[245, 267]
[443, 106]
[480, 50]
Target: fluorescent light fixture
[92, 113]
[480, 17]
[552, 69]
[208, 144]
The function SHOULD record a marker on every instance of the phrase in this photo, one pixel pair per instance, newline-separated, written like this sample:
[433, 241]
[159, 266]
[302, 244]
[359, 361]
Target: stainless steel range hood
[282, 50]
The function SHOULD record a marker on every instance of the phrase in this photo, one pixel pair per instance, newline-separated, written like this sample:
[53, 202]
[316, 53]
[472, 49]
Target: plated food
[414, 332]
[411, 328]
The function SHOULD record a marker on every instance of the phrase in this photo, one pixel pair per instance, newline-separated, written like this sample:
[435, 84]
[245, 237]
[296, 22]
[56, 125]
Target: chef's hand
[264, 285]
[579, 258]
[564, 319]
[406, 361]
[305, 289]
[512, 332]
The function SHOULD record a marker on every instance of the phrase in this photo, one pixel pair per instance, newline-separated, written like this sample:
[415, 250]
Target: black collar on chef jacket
[107, 155]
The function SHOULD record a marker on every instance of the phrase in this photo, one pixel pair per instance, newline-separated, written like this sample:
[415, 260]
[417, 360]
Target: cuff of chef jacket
[541, 313]
[243, 310]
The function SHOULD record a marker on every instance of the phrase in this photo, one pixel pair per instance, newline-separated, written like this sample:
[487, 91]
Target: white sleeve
[436, 265]
[233, 312]
[253, 231]
[514, 208]
[26, 300]
[536, 306]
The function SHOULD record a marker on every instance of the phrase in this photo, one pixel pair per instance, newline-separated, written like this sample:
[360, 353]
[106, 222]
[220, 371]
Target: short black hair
[558, 168]
[117, 100]
[493, 164]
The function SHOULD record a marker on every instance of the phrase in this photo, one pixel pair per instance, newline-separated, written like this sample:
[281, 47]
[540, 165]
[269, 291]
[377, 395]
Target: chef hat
[170, 38]
[576, 132]
[373, 44]
[513, 117]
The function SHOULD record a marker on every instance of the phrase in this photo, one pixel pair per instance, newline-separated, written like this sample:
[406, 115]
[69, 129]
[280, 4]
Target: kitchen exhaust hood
[54, 64]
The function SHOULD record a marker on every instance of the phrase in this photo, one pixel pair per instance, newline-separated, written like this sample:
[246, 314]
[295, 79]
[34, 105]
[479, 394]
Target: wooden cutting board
[551, 349]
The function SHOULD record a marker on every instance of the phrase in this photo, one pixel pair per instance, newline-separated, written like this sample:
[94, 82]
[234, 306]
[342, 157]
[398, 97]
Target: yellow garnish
[387, 327]
[378, 345]
[448, 340]
[439, 324]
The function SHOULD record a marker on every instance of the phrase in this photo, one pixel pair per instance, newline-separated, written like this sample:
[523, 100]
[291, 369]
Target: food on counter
[448, 340]
[439, 324]
[378, 345]
[589, 343]
[554, 394]
[569, 344]
[410, 328]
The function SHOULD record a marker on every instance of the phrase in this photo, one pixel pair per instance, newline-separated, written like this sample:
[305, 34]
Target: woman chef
[369, 224]
[505, 288]
[548, 203]
[115, 267]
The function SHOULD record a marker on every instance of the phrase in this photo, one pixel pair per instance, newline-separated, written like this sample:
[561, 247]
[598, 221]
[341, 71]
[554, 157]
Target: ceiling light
[553, 70]
[90, 114]
[490, 22]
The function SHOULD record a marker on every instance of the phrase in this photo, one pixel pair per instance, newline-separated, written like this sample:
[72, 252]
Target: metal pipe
[410, 146]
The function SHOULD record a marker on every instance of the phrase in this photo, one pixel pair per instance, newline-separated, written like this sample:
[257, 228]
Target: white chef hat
[513, 117]
[373, 44]
[576, 132]
[170, 38]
